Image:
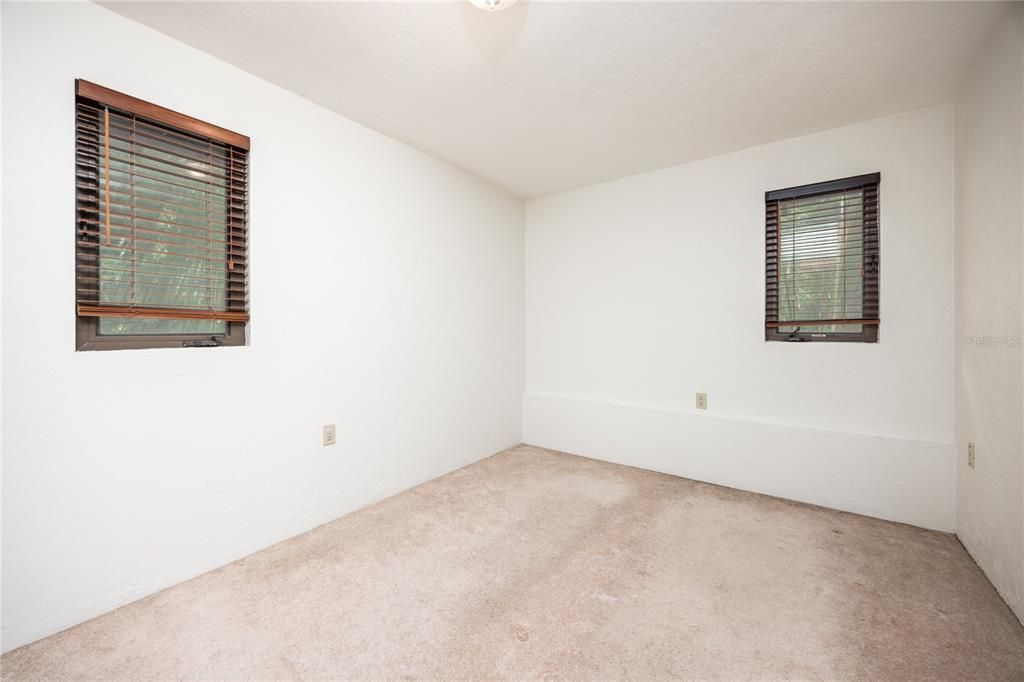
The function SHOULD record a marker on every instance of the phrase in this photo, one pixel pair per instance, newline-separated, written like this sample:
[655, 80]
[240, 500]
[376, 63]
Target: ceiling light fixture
[493, 5]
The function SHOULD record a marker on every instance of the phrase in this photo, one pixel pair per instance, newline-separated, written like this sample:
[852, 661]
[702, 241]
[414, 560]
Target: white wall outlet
[970, 455]
[702, 401]
[330, 435]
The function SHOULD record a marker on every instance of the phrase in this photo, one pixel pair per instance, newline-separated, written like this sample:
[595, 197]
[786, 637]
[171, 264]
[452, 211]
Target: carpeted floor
[533, 564]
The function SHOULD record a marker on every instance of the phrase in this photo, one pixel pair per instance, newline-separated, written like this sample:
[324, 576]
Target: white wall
[386, 296]
[642, 291]
[1, 321]
[990, 307]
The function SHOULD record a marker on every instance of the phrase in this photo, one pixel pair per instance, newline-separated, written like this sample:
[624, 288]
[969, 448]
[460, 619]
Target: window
[161, 226]
[822, 261]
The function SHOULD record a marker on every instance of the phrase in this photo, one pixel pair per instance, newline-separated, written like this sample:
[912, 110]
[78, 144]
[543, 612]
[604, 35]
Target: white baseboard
[889, 478]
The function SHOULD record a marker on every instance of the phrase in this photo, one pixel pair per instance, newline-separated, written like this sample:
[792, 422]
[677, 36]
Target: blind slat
[116, 297]
[238, 256]
[92, 134]
[216, 233]
[184, 212]
[181, 313]
[150, 272]
[166, 166]
[838, 320]
[121, 127]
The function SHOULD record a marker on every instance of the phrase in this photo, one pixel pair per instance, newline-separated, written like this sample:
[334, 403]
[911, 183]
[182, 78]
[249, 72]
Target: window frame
[88, 337]
[871, 264]
[87, 327]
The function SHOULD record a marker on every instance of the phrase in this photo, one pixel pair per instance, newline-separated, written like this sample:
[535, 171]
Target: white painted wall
[387, 296]
[1, 321]
[990, 305]
[642, 291]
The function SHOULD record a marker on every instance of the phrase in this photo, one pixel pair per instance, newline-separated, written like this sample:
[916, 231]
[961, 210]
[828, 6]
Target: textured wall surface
[990, 309]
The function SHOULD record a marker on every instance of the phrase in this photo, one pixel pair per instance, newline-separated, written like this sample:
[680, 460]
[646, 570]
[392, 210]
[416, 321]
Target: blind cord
[106, 169]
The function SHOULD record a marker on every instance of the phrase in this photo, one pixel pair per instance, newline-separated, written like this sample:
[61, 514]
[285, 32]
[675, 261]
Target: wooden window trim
[119, 100]
[87, 326]
[871, 262]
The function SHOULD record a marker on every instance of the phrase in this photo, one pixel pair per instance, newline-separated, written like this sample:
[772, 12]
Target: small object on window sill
[203, 343]
[794, 338]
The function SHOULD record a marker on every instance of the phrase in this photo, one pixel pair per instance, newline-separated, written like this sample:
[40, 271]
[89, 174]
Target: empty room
[512, 340]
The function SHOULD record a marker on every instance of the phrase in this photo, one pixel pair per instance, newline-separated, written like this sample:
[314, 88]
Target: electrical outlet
[330, 435]
[970, 455]
[702, 401]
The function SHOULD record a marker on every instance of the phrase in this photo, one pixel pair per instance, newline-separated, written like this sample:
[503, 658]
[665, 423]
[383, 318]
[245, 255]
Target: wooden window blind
[161, 227]
[822, 261]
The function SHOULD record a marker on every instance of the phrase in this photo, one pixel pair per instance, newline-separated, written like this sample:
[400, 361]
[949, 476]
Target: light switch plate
[702, 401]
[330, 435]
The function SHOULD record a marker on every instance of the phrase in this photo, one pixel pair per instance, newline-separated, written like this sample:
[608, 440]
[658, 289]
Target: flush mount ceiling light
[493, 5]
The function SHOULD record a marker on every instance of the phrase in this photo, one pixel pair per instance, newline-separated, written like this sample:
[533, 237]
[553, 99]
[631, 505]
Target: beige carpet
[538, 565]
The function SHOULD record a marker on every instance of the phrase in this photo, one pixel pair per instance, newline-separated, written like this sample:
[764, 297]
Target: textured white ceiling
[546, 96]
